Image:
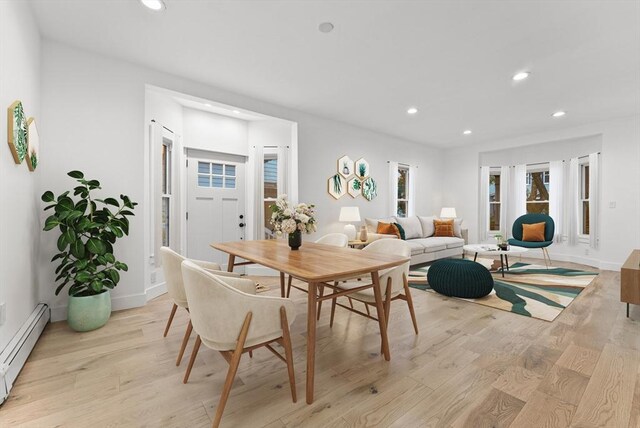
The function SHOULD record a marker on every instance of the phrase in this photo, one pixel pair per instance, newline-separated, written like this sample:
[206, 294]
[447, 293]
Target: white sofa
[419, 232]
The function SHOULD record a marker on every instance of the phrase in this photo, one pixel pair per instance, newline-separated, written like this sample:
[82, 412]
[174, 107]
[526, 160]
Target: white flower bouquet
[287, 218]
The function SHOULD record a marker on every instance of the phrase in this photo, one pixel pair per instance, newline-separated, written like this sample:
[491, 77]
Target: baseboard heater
[15, 354]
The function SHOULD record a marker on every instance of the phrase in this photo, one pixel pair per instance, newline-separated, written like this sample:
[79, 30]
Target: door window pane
[216, 181]
[216, 168]
[230, 170]
[203, 181]
[204, 167]
[230, 183]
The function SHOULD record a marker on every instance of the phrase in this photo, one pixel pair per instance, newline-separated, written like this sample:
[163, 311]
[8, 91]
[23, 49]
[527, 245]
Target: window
[270, 171]
[584, 199]
[166, 191]
[494, 201]
[538, 190]
[402, 208]
[218, 175]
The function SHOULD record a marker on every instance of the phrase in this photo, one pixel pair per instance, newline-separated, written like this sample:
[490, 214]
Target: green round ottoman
[460, 278]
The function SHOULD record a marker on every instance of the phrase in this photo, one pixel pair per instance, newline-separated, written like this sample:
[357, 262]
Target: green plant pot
[88, 313]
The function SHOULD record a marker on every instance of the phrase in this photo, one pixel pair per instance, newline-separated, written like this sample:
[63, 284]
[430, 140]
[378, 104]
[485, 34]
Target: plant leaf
[96, 246]
[48, 196]
[77, 249]
[75, 174]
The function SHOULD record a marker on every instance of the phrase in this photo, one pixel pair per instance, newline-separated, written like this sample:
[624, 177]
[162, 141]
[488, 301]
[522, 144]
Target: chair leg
[321, 293]
[544, 256]
[290, 280]
[233, 368]
[185, 340]
[387, 302]
[173, 312]
[407, 294]
[288, 352]
[196, 348]
[250, 354]
[333, 309]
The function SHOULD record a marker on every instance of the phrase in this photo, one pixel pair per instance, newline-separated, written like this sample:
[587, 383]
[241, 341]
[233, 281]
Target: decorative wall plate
[354, 187]
[369, 189]
[345, 166]
[362, 168]
[337, 186]
[33, 144]
[17, 131]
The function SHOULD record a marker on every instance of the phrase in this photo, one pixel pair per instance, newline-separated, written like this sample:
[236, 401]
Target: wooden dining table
[317, 265]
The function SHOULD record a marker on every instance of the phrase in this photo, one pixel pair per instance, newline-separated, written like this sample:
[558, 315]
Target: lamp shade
[349, 214]
[448, 212]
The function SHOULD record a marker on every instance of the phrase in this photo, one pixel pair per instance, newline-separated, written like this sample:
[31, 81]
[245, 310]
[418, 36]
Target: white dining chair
[171, 266]
[393, 282]
[228, 317]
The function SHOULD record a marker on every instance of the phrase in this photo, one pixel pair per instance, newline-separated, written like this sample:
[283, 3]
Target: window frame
[406, 200]
[545, 180]
[270, 153]
[166, 190]
[224, 177]
[495, 172]
[583, 176]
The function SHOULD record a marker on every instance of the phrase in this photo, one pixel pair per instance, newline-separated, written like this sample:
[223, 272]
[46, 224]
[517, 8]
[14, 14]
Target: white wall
[94, 120]
[19, 210]
[620, 184]
[214, 132]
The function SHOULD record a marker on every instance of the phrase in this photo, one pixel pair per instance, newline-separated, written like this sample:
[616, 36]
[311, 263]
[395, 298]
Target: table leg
[475, 257]
[232, 261]
[502, 264]
[506, 260]
[311, 338]
[281, 284]
[375, 279]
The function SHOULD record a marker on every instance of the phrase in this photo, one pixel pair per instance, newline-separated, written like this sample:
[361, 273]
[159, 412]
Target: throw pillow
[403, 236]
[443, 227]
[457, 227]
[533, 232]
[412, 227]
[387, 229]
[372, 223]
[427, 226]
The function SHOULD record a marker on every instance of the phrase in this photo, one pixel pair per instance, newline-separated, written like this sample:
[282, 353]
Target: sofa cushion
[449, 242]
[412, 227]
[416, 247]
[427, 226]
[372, 223]
[388, 229]
[430, 244]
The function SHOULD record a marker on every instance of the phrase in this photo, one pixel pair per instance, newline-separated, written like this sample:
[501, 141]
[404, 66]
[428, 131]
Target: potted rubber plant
[88, 227]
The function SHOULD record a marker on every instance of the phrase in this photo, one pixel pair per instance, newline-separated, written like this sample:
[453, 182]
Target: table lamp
[350, 214]
[448, 212]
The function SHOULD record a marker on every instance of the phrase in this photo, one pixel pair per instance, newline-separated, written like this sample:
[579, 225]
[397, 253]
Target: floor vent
[14, 356]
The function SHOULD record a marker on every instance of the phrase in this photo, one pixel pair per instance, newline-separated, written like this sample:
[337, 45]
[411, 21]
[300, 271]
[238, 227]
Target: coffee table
[493, 250]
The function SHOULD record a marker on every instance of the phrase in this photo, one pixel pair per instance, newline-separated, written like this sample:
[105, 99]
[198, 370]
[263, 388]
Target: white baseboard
[155, 290]
[575, 259]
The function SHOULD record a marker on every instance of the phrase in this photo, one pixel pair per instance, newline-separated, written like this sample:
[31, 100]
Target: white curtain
[483, 204]
[594, 198]
[505, 181]
[392, 206]
[413, 179]
[519, 191]
[556, 184]
[255, 222]
[574, 193]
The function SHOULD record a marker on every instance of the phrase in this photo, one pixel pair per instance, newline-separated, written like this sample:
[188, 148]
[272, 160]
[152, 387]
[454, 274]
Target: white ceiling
[451, 59]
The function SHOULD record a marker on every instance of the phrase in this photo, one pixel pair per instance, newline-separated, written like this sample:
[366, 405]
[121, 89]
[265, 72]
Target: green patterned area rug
[529, 290]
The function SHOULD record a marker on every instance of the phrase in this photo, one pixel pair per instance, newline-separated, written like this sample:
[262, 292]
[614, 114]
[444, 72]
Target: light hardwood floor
[471, 366]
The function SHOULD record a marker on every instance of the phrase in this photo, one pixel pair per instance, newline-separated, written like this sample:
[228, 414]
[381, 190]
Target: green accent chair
[549, 230]
[460, 278]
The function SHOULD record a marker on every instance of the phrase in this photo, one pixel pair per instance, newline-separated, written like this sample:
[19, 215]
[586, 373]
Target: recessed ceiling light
[208, 105]
[521, 76]
[236, 111]
[412, 110]
[467, 132]
[559, 113]
[325, 27]
[156, 5]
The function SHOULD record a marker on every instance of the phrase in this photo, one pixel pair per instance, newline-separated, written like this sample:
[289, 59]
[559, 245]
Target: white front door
[215, 203]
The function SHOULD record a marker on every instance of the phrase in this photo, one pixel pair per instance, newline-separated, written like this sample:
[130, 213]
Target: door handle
[241, 225]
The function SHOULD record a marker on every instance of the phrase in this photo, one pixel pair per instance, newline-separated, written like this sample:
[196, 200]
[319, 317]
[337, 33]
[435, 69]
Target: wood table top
[312, 262]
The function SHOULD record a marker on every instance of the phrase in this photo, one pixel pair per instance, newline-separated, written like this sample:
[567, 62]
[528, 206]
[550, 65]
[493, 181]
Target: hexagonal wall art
[345, 166]
[354, 187]
[17, 131]
[337, 186]
[362, 168]
[369, 189]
